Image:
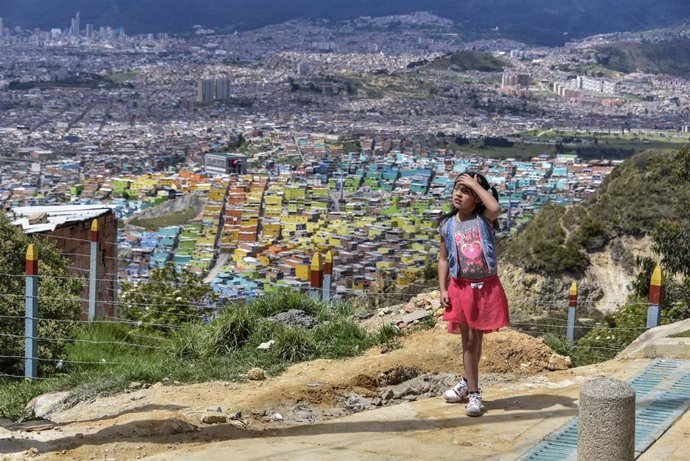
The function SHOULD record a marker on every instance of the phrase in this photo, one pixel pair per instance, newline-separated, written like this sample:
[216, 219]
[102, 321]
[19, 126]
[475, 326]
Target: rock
[364, 315]
[440, 311]
[135, 385]
[214, 419]
[267, 345]
[45, 404]
[559, 362]
[31, 452]
[386, 396]
[256, 374]
[277, 417]
[416, 315]
[295, 318]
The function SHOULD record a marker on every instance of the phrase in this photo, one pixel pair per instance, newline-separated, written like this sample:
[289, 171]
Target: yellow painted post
[316, 276]
[572, 305]
[31, 315]
[328, 276]
[93, 269]
[656, 295]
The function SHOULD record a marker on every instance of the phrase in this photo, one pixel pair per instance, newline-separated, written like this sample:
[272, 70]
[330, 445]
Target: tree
[59, 305]
[169, 297]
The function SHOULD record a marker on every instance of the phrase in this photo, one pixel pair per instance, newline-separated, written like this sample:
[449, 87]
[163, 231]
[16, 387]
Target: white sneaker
[474, 405]
[456, 393]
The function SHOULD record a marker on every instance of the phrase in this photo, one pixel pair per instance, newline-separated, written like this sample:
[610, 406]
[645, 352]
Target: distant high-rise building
[1, 28]
[225, 163]
[303, 68]
[74, 27]
[515, 79]
[89, 31]
[208, 90]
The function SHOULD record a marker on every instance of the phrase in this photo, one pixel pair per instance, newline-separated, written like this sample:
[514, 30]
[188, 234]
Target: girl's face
[464, 198]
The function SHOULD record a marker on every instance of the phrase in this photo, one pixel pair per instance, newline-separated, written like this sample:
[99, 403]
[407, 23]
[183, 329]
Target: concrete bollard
[607, 421]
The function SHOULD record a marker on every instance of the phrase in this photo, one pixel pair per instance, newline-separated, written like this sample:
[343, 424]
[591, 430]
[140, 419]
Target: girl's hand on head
[468, 181]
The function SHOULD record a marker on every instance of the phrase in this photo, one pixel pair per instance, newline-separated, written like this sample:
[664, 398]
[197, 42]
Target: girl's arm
[443, 273]
[493, 209]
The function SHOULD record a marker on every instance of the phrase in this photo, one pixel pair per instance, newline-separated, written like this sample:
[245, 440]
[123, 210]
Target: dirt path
[162, 417]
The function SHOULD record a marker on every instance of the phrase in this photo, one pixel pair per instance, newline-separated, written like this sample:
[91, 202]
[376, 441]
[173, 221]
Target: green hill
[670, 57]
[463, 61]
[639, 193]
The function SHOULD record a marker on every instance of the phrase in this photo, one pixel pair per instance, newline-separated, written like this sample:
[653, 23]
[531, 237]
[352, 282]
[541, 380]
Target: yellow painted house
[408, 276]
[291, 193]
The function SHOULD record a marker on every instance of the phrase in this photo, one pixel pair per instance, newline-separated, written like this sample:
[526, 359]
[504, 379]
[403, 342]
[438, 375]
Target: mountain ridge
[539, 21]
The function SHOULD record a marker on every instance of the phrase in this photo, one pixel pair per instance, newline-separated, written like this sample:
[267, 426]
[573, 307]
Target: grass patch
[177, 218]
[519, 150]
[123, 76]
[465, 60]
[117, 354]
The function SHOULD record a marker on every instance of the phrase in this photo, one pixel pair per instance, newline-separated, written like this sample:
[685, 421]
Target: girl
[471, 292]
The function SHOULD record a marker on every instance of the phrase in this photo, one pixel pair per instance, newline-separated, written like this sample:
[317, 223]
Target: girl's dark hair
[480, 207]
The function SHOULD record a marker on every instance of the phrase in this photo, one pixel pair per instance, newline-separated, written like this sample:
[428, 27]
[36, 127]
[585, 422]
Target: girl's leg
[471, 354]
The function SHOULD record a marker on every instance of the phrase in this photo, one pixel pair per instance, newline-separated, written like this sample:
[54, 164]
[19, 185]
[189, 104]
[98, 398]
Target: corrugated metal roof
[57, 216]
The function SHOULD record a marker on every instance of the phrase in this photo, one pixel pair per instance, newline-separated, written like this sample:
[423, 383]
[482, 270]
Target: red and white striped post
[572, 305]
[31, 315]
[656, 295]
[328, 276]
[93, 269]
[316, 276]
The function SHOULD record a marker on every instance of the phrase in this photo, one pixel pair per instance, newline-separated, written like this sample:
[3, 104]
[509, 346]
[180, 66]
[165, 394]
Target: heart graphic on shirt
[471, 250]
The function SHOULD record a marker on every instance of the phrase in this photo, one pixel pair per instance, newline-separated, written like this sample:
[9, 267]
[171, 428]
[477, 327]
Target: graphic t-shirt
[470, 249]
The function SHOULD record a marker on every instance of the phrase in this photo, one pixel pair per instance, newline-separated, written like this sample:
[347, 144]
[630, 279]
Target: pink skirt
[480, 304]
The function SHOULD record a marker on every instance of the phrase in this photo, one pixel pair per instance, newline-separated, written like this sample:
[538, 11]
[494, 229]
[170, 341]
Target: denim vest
[488, 243]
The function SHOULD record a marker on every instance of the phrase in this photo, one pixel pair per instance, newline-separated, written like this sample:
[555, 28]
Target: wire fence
[166, 312]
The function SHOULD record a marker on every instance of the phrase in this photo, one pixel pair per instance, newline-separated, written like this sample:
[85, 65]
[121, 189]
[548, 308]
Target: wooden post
[316, 276]
[328, 276]
[31, 315]
[93, 269]
[656, 295]
[572, 305]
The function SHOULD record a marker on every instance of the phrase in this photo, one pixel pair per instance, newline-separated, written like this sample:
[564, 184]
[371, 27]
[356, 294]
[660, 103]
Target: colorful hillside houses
[375, 205]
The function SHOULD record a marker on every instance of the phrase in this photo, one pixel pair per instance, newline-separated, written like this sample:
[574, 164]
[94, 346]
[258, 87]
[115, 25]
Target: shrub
[282, 301]
[294, 345]
[58, 298]
[342, 338]
[192, 341]
[233, 328]
[560, 345]
[169, 297]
